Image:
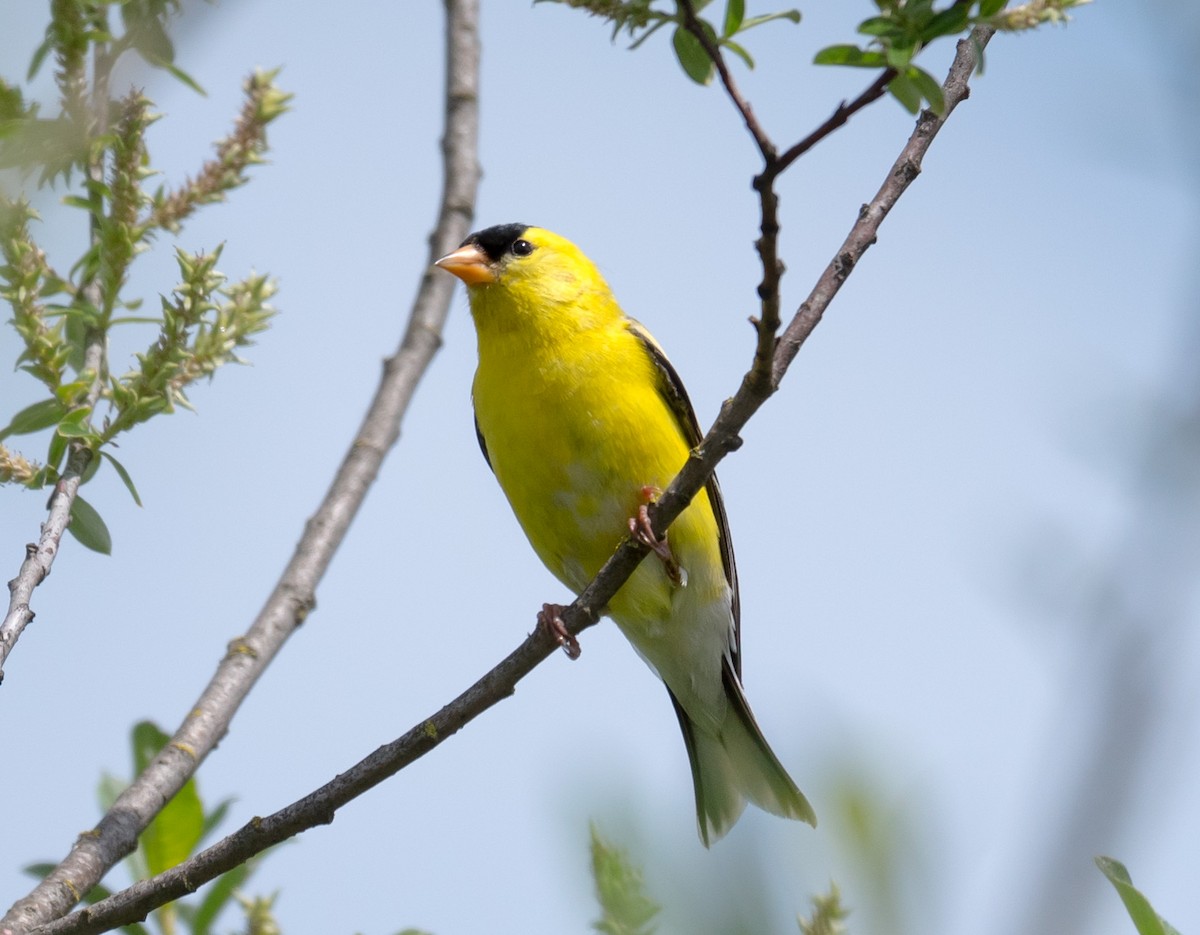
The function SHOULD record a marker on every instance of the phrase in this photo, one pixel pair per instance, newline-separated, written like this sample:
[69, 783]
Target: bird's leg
[641, 529]
[549, 618]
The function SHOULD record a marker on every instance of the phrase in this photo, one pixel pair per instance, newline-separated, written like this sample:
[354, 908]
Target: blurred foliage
[174, 835]
[881, 843]
[625, 908]
[1145, 919]
[95, 147]
[827, 916]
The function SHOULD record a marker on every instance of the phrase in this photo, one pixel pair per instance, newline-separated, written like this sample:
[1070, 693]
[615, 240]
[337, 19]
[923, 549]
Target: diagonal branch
[844, 111]
[904, 170]
[39, 556]
[293, 597]
[691, 22]
[319, 806]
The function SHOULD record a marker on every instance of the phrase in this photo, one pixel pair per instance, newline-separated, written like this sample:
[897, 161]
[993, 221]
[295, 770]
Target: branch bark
[294, 595]
[39, 557]
[320, 806]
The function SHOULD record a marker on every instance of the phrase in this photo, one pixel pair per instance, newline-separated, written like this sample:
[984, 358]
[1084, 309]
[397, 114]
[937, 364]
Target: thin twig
[294, 595]
[768, 321]
[835, 120]
[691, 22]
[904, 170]
[39, 558]
[319, 806]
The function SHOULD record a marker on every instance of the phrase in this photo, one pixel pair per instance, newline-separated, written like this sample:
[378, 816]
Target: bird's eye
[522, 248]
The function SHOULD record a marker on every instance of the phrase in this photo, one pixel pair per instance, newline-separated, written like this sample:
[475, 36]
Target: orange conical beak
[470, 264]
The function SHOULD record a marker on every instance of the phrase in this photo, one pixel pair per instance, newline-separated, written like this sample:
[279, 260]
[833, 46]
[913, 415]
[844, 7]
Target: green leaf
[34, 418]
[109, 788]
[929, 88]
[880, 26]
[90, 469]
[215, 817]
[217, 897]
[1145, 919]
[738, 51]
[178, 74]
[87, 526]
[75, 423]
[946, 23]
[56, 452]
[990, 7]
[692, 58]
[903, 90]
[39, 56]
[145, 29]
[124, 474]
[173, 834]
[735, 12]
[644, 36]
[793, 15]
[625, 907]
[898, 55]
[850, 55]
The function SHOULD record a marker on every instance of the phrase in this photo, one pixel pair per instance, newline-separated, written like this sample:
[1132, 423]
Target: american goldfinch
[582, 419]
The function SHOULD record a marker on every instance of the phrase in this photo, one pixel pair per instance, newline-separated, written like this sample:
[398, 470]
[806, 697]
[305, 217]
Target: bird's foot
[642, 530]
[549, 618]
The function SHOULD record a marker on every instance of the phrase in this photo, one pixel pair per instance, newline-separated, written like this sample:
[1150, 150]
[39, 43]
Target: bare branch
[39, 559]
[294, 596]
[838, 118]
[319, 806]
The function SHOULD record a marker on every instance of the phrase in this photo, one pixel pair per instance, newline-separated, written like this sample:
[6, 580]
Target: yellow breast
[576, 428]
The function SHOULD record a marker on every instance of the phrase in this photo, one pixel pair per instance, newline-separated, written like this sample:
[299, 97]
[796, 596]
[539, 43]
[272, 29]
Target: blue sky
[943, 473]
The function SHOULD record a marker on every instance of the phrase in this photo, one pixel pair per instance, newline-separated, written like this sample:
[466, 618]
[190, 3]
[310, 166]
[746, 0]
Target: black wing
[676, 396]
[483, 445]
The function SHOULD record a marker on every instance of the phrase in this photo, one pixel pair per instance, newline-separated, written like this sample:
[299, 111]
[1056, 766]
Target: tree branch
[294, 595]
[39, 557]
[768, 321]
[837, 119]
[904, 170]
[692, 24]
[319, 806]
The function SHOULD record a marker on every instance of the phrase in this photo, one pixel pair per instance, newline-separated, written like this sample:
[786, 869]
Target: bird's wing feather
[672, 390]
[482, 442]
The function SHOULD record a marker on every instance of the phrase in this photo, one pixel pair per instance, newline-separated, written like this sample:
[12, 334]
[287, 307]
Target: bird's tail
[736, 765]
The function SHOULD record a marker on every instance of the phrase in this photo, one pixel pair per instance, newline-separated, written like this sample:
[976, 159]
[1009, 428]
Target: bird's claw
[642, 530]
[549, 618]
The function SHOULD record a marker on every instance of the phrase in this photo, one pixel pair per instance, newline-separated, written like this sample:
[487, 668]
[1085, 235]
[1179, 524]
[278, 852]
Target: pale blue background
[921, 515]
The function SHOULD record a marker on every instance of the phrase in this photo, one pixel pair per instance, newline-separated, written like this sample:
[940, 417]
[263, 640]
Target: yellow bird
[583, 420]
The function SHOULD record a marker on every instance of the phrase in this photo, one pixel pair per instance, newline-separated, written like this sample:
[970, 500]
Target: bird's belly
[574, 511]
[577, 455]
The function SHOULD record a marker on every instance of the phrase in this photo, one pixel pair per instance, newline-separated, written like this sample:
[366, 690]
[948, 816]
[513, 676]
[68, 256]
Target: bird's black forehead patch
[497, 241]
